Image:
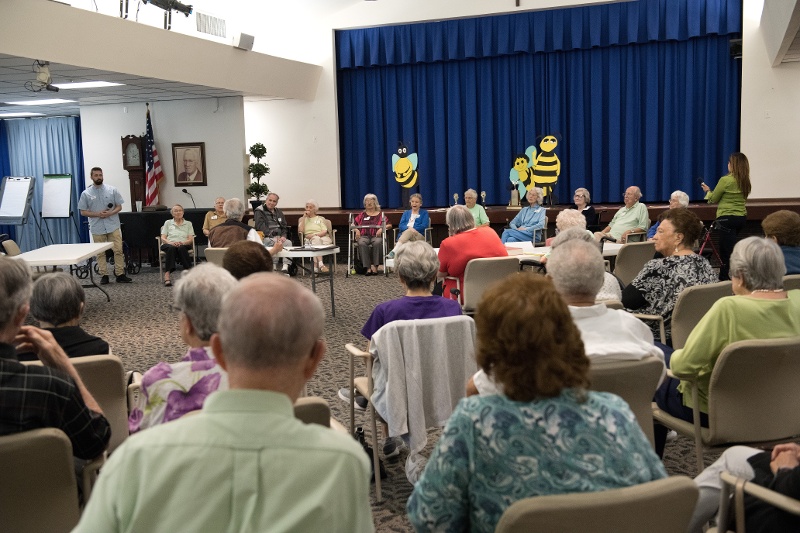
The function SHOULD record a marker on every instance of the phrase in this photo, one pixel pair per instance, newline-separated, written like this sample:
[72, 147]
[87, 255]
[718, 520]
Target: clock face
[132, 155]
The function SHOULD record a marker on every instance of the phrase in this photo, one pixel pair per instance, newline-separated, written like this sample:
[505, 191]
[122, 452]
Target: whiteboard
[15, 199]
[56, 195]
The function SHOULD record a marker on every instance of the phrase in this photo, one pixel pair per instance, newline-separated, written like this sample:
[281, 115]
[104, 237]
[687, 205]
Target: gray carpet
[142, 330]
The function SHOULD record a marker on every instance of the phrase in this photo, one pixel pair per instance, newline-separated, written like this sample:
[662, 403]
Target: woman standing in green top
[730, 194]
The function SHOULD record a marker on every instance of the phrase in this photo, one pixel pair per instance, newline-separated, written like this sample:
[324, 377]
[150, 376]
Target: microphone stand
[184, 191]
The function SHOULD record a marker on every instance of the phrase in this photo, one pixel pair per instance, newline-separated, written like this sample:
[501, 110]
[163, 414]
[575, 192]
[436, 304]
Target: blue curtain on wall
[48, 146]
[642, 93]
[5, 170]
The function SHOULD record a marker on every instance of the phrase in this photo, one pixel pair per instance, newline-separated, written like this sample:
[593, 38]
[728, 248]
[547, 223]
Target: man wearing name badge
[632, 218]
[101, 203]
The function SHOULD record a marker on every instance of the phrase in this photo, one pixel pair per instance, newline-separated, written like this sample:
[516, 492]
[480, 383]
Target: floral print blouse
[169, 391]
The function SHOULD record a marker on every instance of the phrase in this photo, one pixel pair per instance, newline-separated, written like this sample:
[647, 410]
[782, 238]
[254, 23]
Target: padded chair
[752, 397]
[662, 506]
[39, 491]
[331, 232]
[215, 255]
[633, 381]
[10, 247]
[631, 258]
[313, 410]
[352, 245]
[692, 305]
[733, 491]
[425, 389]
[479, 274]
[162, 256]
[790, 282]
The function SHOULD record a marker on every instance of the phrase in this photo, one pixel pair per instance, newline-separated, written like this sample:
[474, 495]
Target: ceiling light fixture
[51, 101]
[86, 84]
[20, 115]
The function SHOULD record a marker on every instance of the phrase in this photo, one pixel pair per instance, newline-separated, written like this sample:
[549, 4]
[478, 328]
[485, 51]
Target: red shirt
[456, 251]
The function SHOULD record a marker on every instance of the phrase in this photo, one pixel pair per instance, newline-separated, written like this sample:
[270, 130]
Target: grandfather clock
[133, 162]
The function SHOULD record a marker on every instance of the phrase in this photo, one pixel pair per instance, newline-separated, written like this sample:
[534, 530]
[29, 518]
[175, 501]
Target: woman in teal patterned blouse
[545, 435]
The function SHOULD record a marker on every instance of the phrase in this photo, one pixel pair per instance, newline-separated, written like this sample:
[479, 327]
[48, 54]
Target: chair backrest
[313, 410]
[11, 247]
[753, 393]
[663, 506]
[692, 304]
[39, 491]
[631, 258]
[215, 255]
[480, 273]
[790, 282]
[633, 381]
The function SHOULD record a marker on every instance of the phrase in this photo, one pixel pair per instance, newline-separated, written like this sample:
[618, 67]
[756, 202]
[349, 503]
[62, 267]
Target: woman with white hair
[314, 230]
[759, 309]
[528, 224]
[566, 219]
[370, 234]
[676, 199]
[466, 242]
[170, 390]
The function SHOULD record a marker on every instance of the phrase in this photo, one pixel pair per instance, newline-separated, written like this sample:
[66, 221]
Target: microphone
[184, 191]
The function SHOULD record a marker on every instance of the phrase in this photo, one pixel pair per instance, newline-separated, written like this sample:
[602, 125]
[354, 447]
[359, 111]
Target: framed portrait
[189, 160]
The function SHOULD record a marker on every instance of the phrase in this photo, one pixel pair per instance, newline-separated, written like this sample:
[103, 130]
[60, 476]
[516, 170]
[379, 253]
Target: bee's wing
[395, 159]
[530, 151]
[413, 158]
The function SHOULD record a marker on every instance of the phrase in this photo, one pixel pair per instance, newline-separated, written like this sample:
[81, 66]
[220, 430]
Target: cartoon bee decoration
[521, 174]
[547, 166]
[405, 166]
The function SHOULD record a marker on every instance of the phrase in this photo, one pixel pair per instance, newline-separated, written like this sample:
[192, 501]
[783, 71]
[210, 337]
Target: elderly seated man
[234, 230]
[58, 302]
[632, 218]
[577, 270]
[244, 462]
[271, 221]
[51, 395]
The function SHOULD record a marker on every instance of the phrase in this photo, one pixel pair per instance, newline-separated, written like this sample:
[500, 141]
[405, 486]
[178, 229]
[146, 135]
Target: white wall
[770, 131]
[219, 123]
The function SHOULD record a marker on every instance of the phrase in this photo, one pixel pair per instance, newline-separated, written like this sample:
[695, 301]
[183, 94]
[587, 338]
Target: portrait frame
[198, 151]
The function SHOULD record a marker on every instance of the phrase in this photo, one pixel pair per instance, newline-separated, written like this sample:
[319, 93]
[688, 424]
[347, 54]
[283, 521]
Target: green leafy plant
[257, 171]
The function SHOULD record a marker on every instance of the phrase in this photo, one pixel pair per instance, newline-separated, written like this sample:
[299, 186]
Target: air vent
[210, 25]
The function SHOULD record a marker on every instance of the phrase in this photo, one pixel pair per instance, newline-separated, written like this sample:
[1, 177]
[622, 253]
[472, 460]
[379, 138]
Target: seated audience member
[465, 242]
[170, 390]
[578, 273]
[655, 289]
[545, 434]
[314, 231]
[246, 257]
[477, 210]
[784, 228]
[631, 218]
[581, 201]
[57, 303]
[527, 225]
[416, 265]
[271, 221]
[413, 224]
[778, 470]
[52, 395]
[676, 199]
[216, 217]
[374, 218]
[245, 461]
[569, 218]
[759, 309]
[233, 229]
[177, 238]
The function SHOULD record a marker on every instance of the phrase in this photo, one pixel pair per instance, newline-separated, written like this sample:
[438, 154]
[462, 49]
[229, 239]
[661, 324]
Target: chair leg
[698, 448]
[375, 460]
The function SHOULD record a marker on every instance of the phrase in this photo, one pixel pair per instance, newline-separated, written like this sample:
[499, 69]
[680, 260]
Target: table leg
[91, 279]
[330, 270]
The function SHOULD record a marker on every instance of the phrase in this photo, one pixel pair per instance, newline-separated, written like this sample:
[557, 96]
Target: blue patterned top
[495, 451]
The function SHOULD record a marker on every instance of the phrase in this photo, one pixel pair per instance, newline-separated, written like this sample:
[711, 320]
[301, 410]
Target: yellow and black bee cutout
[405, 166]
[521, 174]
[547, 166]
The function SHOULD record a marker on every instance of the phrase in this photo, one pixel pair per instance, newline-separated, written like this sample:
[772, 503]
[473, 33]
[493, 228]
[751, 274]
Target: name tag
[213, 217]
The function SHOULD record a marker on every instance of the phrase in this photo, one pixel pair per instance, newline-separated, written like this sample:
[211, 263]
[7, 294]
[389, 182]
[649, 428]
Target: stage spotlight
[168, 5]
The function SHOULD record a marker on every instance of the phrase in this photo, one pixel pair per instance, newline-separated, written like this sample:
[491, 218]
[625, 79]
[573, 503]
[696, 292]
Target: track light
[168, 5]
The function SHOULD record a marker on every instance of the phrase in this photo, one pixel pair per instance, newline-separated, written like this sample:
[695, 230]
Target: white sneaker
[285, 267]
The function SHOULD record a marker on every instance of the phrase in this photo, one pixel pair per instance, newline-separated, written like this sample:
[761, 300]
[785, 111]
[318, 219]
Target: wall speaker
[243, 42]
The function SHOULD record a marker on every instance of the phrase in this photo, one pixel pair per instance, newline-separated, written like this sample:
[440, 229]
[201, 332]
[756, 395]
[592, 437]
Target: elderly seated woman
[416, 265]
[314, 230]
[170, 390]
[759, 309]
[569, 218]
[527, 225]
[532, 439]
[466, 242]
[57, 302]
[783, 227]
[177, 236]
[368, 231]
[676, 199]
[655, 289]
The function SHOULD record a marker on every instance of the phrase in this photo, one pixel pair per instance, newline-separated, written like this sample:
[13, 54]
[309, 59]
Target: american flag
[154, 173]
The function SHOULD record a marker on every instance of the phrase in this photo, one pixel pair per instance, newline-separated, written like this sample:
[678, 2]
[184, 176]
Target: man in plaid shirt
[52, 395]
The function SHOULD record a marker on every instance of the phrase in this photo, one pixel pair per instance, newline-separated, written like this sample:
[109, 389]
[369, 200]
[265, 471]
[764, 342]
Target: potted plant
[258, 170]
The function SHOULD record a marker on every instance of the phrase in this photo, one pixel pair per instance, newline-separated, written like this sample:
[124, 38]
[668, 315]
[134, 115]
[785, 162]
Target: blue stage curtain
[642, 93]
[5, 170]
[47, 146]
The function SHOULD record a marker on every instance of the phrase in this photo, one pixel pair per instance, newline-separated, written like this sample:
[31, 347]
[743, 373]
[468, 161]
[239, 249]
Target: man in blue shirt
[101, 204]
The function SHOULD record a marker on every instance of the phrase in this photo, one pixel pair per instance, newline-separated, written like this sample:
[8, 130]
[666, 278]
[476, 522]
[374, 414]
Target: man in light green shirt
[243, 463]
[477, 210]
[633, 218]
